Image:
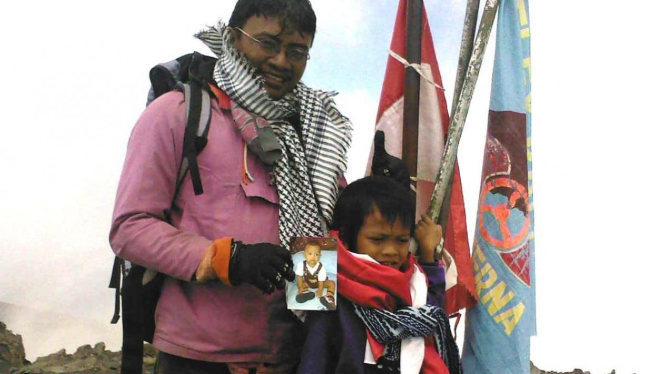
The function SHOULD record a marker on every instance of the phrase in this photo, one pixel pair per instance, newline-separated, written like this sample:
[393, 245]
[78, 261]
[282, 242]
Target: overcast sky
[76, 78]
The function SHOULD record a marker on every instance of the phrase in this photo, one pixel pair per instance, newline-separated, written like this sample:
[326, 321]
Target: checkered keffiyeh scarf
[307, 172]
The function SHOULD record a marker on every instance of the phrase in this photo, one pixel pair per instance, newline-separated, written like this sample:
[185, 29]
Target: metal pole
[411, 118]
[466, 47]
[462, 109]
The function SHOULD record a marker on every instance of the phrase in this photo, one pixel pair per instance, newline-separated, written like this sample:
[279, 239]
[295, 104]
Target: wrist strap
[438, 250]
[236, 246]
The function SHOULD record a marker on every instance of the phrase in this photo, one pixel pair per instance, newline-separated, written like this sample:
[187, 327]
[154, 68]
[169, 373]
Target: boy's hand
[428, 235]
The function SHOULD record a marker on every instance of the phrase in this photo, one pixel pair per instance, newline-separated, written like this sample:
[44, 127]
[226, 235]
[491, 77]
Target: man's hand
[428, 234]
[387, 165]
[263, 265]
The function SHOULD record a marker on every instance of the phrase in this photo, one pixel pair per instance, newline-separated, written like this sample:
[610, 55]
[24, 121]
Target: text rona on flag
[499, 328]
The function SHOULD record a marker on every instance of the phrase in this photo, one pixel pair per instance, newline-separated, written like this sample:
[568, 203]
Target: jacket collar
[223, 100]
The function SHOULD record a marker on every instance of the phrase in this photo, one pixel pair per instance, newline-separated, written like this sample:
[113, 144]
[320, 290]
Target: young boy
[389, 316]
[311, 274]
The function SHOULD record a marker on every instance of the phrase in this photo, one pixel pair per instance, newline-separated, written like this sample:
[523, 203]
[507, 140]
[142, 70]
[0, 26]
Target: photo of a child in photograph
[315, 262]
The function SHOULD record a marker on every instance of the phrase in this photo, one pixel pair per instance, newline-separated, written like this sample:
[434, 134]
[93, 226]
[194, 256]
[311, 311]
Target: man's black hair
[360, 198]
[295, 14]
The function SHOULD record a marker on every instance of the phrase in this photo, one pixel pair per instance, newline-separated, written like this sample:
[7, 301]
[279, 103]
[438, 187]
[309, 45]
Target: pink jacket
[212, 321]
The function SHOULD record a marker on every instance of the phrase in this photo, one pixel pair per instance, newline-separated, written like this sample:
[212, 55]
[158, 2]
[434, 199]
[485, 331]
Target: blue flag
[499, 328]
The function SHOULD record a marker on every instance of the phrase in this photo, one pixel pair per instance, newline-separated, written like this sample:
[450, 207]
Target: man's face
[281, 73]
[312, 255]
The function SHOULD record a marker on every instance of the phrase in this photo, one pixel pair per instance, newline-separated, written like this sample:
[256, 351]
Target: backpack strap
[139, 300]
[132, 322]
[116, 275]
[198, 113]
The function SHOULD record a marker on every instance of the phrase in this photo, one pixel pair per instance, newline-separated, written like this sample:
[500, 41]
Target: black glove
[387, 165]
[263, 265]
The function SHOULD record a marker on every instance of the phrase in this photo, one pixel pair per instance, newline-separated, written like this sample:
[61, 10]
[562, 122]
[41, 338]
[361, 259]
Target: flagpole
[411, 118]
[466, 48]
[461, 110]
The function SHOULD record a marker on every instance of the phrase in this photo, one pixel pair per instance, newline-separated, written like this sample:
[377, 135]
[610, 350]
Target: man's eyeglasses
[272, 47]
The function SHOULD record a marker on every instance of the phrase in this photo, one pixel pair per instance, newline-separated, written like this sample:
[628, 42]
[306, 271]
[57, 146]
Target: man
[275, 153]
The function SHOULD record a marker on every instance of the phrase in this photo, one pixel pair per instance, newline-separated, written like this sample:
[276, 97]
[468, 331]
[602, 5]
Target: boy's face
[312, 254]
[387, 244]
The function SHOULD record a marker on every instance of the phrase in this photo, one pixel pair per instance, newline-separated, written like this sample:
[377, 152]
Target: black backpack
[137, 289]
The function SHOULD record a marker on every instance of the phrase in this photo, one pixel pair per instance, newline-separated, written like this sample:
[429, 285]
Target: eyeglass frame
[274, 51]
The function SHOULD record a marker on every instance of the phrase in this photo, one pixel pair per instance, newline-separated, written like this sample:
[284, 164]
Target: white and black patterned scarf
[306, 173]
[390, 329]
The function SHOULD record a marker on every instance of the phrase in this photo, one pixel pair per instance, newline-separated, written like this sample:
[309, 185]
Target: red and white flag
[434, 120]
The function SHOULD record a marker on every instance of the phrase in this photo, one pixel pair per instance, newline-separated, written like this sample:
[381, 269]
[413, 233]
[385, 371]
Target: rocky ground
[86, 360]
[91, 359]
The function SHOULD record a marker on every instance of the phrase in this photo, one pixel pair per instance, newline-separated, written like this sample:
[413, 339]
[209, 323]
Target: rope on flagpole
[417, 67]
[447, 165]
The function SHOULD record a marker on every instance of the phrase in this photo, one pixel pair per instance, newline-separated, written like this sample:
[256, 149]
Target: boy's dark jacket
[335, 341]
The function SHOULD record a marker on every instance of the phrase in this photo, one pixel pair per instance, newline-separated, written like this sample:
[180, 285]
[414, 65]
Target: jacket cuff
[435, 273]
[222, 258]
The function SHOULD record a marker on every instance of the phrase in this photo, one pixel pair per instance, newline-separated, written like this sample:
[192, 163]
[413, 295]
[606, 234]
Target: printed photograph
[315, 264]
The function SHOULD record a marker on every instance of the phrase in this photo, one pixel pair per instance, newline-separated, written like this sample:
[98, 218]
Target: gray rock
[95, 359]
[12, 353]
[99, 348]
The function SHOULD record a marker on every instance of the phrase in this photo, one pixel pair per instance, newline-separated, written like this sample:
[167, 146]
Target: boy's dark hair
[360, 198]
[296, 14]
